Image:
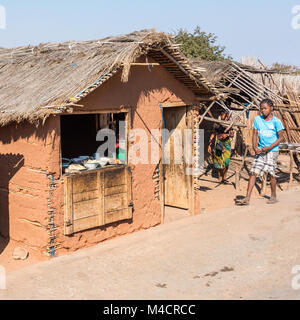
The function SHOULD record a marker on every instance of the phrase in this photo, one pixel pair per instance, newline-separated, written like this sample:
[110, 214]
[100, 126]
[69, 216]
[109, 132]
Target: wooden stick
[237, 115]
[206, 112]
[237, 179]
[206, 98]
[226, 123]
[256, 82]
[244, 158]
[240, 168]
[149, 64]
[291, 169]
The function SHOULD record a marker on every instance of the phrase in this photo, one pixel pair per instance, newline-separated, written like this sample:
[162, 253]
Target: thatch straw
[33, 77]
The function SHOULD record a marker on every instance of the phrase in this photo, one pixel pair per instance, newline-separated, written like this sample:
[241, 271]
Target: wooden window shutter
[117, 195]
[83, 202]
[97, 198]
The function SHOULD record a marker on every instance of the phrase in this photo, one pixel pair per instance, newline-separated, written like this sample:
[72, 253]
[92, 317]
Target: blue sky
[260, 28]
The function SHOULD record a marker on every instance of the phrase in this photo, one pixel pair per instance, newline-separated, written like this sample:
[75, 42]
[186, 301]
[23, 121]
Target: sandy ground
[213, 196]
[229, 253]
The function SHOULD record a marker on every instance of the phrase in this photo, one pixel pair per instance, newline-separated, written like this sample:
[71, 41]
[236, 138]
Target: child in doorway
[267, 135]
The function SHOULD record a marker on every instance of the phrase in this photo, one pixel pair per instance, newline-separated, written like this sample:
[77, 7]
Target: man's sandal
[225, 181]
[242, 202]
[272, 201]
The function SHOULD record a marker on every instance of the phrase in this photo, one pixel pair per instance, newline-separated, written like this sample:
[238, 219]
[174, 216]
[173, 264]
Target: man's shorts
[265, 163]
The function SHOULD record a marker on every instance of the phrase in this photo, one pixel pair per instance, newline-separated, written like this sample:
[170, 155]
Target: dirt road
[231, 253]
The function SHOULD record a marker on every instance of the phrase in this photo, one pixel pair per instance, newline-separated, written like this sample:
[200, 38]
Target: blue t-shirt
[267, 131]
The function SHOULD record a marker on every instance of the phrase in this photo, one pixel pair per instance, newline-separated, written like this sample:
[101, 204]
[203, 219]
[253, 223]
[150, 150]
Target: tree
[200, 44]
[294, 70]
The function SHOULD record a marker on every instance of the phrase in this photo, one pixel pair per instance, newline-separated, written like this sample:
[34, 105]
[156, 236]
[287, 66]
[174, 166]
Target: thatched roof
[213, 70]
[216, 70]
[237, 80]
[34, 77]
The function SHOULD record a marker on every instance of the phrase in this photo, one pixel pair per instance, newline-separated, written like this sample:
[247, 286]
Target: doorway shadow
[10, 164]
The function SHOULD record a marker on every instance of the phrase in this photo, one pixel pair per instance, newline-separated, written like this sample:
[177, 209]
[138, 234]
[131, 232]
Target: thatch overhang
[238, 81]
[36, 79]
[245, 87]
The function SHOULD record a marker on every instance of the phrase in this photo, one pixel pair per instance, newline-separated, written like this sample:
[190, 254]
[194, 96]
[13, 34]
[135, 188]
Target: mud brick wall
[27, 155]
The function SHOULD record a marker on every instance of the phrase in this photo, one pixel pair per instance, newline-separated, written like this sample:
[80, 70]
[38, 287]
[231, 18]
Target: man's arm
[276, 143]
[255, 142]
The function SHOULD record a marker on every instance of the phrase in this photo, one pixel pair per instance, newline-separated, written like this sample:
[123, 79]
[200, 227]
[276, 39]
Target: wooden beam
[175, 104]
[183, 70]
[205, 113]
[206, 98]
[122, 110]
[286, 106]
[226, 123]
[149, 64]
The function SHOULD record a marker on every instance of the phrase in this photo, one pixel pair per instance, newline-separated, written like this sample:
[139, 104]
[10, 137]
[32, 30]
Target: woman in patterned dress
[222, 149]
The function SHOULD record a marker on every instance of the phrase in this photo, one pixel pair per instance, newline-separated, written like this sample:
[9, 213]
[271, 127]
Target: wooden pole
[205, 113]
[240, 169]
[237, 178]
[226, 123]
[291, 169]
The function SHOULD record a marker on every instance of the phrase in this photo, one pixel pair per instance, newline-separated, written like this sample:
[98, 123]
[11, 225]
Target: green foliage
[200, 44]
[294, 70]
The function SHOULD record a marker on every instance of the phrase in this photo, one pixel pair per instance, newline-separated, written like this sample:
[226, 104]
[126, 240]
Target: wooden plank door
[176, 182]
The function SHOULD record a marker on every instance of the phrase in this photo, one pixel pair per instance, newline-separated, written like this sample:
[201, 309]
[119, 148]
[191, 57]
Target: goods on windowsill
[88, 163]
[74, 167]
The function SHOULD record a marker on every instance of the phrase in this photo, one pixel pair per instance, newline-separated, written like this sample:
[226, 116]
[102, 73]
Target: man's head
[266, 107]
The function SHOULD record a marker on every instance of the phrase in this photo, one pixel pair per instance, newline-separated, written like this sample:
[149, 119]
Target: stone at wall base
[20, 253]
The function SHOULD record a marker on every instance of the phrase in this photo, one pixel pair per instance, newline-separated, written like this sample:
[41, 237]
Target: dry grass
[50, 74]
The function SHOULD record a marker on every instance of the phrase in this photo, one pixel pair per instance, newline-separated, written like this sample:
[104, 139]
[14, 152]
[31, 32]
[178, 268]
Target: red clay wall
[27, 154]
[29, 186]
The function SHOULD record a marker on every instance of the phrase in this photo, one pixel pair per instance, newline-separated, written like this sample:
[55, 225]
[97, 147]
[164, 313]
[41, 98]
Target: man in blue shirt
[267, 135]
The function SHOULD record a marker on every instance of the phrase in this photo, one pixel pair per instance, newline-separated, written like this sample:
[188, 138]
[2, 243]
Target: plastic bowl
[91, 166]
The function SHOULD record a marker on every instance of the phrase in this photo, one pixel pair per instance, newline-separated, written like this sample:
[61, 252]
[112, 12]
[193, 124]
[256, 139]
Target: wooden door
[97, 198]
[176, 182]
